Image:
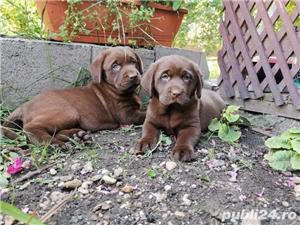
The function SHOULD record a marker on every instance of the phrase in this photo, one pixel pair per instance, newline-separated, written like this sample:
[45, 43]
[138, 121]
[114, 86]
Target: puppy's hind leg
[38, 134]
[65, 135]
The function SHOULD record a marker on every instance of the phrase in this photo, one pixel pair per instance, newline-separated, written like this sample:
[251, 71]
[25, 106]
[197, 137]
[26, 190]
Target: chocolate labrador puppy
[108, 101]
[178, 105]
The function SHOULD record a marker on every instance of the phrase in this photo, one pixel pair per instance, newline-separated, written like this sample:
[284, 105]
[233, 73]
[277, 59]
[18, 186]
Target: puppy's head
[173, 80]
[118, 66]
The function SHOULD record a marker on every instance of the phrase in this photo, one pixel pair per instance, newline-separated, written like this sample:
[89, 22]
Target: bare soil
[204, 191]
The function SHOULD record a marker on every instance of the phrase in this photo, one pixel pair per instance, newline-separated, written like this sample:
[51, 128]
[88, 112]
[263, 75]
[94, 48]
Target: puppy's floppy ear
[96, 68]
[140, 63]
[147, 81]
[199, 80]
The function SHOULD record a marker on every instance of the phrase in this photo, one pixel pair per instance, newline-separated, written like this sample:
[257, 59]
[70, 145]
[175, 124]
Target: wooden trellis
[259, 60]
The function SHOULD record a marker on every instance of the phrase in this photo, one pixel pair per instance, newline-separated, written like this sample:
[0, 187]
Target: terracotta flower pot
[161, 30]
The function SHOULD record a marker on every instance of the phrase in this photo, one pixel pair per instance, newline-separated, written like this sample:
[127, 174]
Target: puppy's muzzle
[133, 76]
[176, 93]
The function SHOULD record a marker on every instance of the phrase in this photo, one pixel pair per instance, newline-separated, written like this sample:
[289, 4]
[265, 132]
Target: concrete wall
[31, 66]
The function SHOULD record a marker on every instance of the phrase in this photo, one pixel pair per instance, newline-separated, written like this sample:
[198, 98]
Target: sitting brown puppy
[108, 101]
[175, 85]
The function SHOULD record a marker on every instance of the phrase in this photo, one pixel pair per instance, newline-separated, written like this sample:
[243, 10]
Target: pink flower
[16, 167]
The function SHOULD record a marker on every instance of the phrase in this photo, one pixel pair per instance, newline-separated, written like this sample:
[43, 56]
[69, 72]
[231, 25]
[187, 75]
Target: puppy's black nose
[132, 76]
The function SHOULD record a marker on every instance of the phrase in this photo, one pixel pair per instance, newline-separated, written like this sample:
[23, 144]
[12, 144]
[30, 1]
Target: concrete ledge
[31, 66]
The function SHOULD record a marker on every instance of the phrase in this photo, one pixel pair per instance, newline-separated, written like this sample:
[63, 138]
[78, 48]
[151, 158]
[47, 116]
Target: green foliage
[227, 126]
[151, 173]
[284, 150]
[83, 78]
[76, 20]
[20, 18]
[164, 139]
[200, 27]
[17, 214]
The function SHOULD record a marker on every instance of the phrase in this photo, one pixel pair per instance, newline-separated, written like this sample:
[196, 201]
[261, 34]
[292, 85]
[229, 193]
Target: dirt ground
[109, 185]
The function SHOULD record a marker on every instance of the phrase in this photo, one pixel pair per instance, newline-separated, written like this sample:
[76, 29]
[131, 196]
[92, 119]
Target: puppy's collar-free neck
[167, 109]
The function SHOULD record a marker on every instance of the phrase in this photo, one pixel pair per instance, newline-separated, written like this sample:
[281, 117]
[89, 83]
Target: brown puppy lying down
[108, 101]
[178, 105]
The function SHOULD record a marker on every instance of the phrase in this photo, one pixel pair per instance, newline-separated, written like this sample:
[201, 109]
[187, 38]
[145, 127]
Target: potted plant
[124, 22]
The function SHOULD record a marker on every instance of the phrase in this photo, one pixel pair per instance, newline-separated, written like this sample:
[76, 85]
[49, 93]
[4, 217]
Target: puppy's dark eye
[186, 77]
[165, 77]
[116, 67]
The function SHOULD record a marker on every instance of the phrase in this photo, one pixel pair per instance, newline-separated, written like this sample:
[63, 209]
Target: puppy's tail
[11, 123]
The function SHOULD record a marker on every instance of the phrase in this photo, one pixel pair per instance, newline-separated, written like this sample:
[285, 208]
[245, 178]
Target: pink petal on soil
[290, 183]
[209, 164]
[261, 193]
[16, 167]
[120, 150]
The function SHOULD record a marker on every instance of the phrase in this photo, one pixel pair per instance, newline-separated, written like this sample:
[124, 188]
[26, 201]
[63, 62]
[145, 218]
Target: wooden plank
[260, 50]
[244, 51]
[233, 61]
[229, 90]
[266, 107]
[290, 30]
[279, 54]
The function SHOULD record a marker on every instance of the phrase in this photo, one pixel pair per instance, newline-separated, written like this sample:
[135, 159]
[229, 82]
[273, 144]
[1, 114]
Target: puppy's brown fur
[178, 105]
[108, 101]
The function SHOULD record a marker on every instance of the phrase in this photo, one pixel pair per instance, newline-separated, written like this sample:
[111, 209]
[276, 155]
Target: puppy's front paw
[183, 153]
[82, 135]
[142, 145]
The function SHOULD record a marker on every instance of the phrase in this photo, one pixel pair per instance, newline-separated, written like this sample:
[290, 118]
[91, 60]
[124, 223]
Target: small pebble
[179, 214]
[66, 178]
[76, 166]
[109, 180]
[88, 168]
[53, 171]
[170, 165]
[118, 172]
[127, 189]
[296, 180]
[72, 184]
[103, 206]
[285, 204]
[186, 201]
[96, 177]
[168, 187]
[83, 190]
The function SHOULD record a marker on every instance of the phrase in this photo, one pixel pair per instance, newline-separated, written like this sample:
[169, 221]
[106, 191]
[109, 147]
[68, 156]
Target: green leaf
[244, 121]
[176, 4]
[295, 161]
[278, 142]
[229, 113]
[296, 145]
[165, 140]
[214, 125]
[291, 134]
[13, 155]
[151, 173]
[280, 160]
[294, 130]
[228, 134]
[3, 181]
[232, 109]
[17, 214]
[232, 118]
